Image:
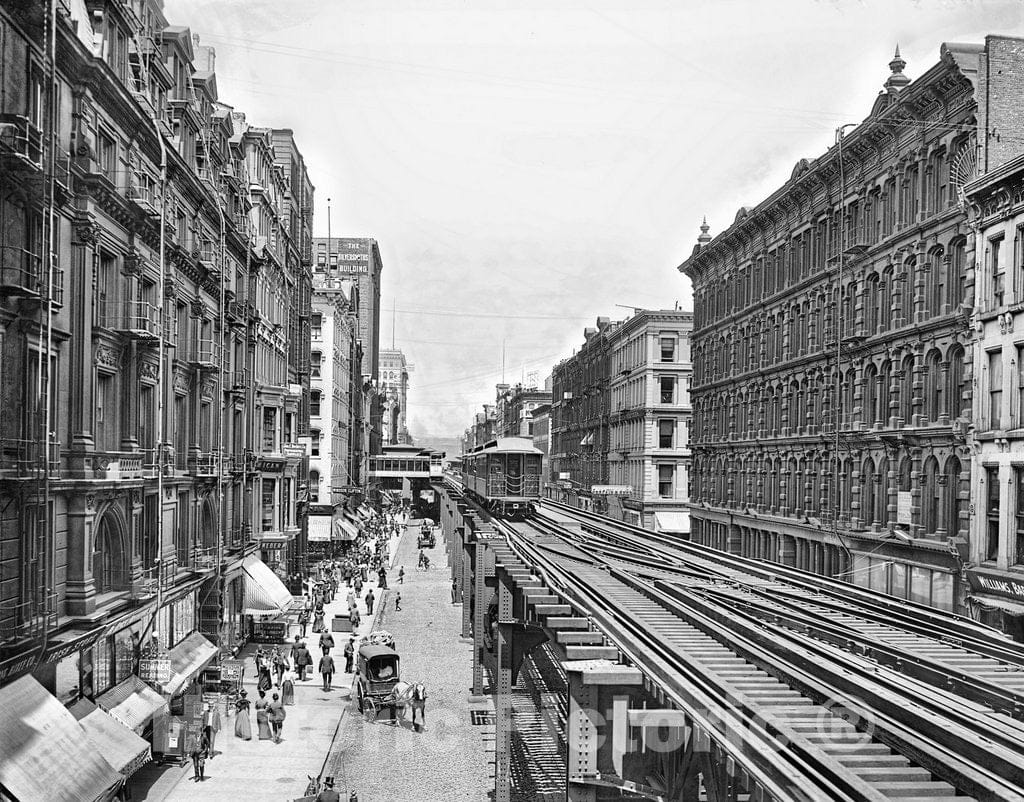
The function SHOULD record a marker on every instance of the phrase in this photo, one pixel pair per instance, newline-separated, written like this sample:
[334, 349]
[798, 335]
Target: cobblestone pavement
[450, 759]
[262, 771]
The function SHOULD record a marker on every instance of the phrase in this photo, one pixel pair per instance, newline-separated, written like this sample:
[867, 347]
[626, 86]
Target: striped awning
[44, 753]
[188, 658]
[120, 747]
[132, 702]
[345, 531]
[265, 593]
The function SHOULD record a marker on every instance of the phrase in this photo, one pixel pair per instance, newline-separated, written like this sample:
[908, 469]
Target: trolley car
[504, 475]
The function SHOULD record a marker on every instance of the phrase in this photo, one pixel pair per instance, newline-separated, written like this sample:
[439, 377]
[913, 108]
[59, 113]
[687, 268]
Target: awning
[120, 747]
[44, 753]
[1014, 608]
[345, 531]
[188, 658]
[364, 512]
[265, 593]
[319, 529]
[672, 521]
[588, 440]
[132, 702]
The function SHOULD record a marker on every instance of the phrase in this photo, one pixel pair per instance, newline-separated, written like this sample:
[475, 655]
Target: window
[668, 349]
[314, 404]
[315, 359]
[268, 506]
[665, 480]
[107, 148]
[666, 433]
[667, 389]
[270, 429]
[1018, 541]
[1020, 386]
[997, 270]
[992, 513]
[314, 435]
[995, 389]
[316, 325]
[314, 484]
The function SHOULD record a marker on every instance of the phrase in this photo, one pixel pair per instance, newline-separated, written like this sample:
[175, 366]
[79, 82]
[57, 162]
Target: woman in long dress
[263, 718]
[243, 728]
[288, 688]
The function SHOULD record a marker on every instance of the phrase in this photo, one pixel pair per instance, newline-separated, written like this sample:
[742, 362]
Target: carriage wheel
[370, 710]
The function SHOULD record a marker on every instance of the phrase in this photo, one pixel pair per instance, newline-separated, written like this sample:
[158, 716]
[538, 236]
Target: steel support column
[479, 612]
[583, 739]
[503, 692]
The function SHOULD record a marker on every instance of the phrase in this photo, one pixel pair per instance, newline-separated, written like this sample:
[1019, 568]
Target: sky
[529, 166]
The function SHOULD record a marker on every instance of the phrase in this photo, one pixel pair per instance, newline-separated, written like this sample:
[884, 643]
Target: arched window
[795, 403]
[794, 487]
[109, 555]
[957, 274]
[846, 489]
[951, 492]
[871, 301]
[883, 412]
[931, 503]
[935, 282]
[882, 496]
[867, 492]
[907, 392]
[957, 382]
[869, 399]
[314, 487]
[885, 299]
[934, 389]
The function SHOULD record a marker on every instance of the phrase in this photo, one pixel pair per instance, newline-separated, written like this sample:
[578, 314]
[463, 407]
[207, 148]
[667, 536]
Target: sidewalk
[262, 771]
[451, 758]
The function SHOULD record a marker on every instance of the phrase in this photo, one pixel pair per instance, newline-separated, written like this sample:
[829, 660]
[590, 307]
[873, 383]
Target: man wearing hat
[328, 794]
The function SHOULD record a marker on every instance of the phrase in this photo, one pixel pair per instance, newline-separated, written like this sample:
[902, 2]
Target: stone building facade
[394, 392]
[515, 406]
[153, 408]
[649, 421]
[833, 376]
[996, 552]
[579, 418]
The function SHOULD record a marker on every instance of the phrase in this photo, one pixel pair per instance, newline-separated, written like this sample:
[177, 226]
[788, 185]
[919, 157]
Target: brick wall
[1000, 106]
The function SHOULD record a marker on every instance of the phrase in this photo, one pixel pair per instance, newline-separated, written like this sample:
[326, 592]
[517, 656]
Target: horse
[414, 696]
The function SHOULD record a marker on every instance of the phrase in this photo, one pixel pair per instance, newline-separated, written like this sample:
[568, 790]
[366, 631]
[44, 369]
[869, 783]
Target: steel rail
[910, 616]
[781, 760]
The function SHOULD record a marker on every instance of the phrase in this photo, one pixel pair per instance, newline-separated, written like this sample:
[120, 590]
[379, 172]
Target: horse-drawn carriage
[426, 539]
[378, 684]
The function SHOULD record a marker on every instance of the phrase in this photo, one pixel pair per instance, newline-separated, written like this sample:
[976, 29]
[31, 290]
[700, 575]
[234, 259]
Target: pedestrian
[382, 578]
[398, 601]
[353, 616]
[263, 670]
[288, 688]
[211, 726]
[418, 703]
[280, 664]
[302, 659]
[350, 653]
[243, 727]
[275, 710]
[263, 717]
[318, 618]
[455, 591]
[326, 641]
[303, 621]
[369, 602]
[200, 751]
[401, 575]
[328, 794]
[326, 668]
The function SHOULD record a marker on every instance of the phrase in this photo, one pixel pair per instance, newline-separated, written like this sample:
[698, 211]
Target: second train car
[504, 475]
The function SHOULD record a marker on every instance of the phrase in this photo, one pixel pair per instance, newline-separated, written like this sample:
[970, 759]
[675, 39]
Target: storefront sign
[269, 631]
[155, 669]
[231, 670]
[611, 490]
[904, 507]
[294, 451]
[1010, 587]
[270, 465]
[27, 661]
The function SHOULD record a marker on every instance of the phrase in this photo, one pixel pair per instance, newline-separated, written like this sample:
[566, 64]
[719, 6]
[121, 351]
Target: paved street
[451, 759]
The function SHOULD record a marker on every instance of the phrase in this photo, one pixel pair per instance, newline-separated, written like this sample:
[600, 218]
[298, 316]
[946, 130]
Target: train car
[504, 475]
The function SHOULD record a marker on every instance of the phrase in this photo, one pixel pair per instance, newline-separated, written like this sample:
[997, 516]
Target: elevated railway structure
[694, 674]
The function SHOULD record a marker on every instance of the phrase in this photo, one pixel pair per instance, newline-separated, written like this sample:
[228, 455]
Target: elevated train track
[775, 684]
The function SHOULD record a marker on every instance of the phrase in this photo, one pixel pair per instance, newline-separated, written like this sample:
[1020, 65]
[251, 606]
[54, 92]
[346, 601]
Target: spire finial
[704, 237]
[895, 82]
